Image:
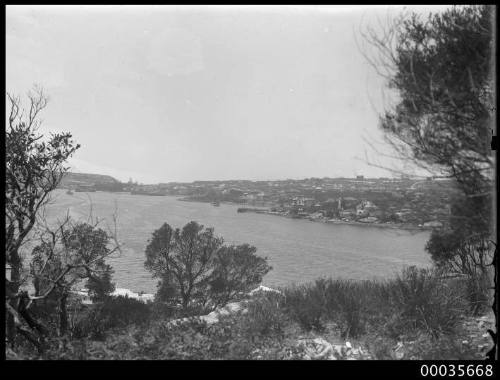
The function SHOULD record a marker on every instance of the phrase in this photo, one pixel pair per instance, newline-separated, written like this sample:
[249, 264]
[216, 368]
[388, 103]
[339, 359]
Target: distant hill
[71, 179]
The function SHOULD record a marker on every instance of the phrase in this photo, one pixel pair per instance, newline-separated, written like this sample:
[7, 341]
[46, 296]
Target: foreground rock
[228, 309]
[320, 349]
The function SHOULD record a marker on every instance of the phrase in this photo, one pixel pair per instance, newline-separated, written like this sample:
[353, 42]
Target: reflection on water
[298, 250]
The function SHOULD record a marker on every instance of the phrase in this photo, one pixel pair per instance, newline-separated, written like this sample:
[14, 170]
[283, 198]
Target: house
[348, 202]
[403, 216]
[360, 212]
[433, 224]
[346, 213]
[316, 215]
[302, 201]
[369, 219]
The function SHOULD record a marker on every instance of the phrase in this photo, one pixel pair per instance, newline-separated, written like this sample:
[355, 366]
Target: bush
[345, 303]
[422, 300]
[113, 312]
[305, 305]
[478, 289]
[325, 300]
[265, 316]
[417, 299]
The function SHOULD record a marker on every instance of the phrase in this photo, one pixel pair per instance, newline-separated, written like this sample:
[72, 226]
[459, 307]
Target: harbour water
[298, 250]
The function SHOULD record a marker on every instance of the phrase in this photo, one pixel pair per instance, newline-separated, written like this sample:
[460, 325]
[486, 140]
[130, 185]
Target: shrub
[344, 302]
[265, 316]
[427, 347]
[324, 300]
[478, 289]
[305, 305]
[113, 312]
[423, 300]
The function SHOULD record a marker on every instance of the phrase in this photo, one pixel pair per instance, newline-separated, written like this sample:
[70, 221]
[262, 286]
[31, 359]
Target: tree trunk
[63, 315]
[15, 278]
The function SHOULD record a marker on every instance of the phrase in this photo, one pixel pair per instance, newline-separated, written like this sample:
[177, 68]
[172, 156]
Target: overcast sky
[164, 93]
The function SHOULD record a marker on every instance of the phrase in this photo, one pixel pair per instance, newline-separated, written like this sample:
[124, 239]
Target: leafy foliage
[34, 167]
[77, 253]
[197, 271]
[465, 248]
[418, 299]
[237, 270]
[441, 68]
[111, 313]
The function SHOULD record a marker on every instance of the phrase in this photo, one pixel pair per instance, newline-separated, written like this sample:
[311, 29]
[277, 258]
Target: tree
[183, 258]
[441, 68]
[195, 268]
[237, 270]
[34, 166]
[73, 253]
[464, 248]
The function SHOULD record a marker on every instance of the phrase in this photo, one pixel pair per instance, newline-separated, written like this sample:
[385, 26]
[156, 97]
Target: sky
[185, 93]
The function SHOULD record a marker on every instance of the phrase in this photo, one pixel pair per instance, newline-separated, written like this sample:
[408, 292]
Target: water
[298, 250]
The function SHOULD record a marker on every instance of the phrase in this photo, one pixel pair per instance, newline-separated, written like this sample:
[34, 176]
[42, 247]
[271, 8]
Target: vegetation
[417, 299]
[197, 271]
[110, 314]
[418, 307]
[34, 167]
[441, 69]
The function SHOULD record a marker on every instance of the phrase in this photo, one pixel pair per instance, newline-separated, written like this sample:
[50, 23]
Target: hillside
[78, 179]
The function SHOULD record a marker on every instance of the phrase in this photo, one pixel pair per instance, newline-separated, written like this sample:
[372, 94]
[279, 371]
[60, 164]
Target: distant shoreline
[405, 227]
[266, 211]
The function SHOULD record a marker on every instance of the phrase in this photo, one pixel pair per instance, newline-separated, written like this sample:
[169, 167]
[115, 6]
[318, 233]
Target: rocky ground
[472, 341]
[476, 335]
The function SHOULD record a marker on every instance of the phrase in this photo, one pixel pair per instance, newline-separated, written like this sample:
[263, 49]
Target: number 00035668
[458, 370]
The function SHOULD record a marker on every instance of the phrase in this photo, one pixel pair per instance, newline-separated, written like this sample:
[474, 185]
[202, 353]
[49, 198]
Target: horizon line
[266, 180]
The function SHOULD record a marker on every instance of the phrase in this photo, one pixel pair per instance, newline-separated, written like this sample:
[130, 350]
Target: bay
[298, 250]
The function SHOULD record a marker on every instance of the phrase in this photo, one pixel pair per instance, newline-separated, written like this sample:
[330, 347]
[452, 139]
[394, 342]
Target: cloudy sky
[169, 93]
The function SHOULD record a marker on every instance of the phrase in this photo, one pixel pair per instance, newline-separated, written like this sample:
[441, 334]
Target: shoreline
[329, 221]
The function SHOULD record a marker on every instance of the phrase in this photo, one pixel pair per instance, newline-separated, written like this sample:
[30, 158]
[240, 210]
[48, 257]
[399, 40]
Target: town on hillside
[404, 202]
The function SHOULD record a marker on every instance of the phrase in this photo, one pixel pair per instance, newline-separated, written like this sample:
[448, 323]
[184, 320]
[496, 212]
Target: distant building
[346, 213]
[361, 212]
[302, 201]
[434, 224]
[360, 177]
[370, 219]
[316, 215]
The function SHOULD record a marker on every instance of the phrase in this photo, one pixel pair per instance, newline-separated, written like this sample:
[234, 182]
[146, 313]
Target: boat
[69, 192]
